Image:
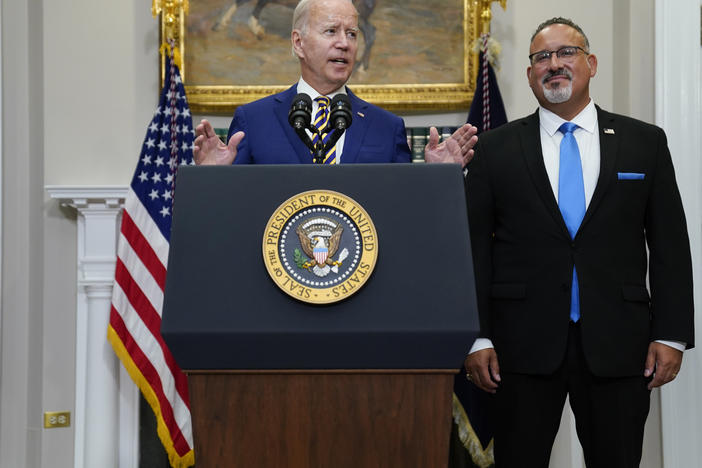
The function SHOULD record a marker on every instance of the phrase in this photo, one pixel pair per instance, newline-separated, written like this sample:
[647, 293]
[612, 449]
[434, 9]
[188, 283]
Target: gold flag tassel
[166, 49]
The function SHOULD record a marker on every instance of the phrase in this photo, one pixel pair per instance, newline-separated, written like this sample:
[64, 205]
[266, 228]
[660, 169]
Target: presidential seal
[320, 246]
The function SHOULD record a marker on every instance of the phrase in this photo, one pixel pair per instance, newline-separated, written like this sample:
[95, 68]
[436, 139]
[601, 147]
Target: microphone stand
[334, 138]
[319, 149]
[300, 130]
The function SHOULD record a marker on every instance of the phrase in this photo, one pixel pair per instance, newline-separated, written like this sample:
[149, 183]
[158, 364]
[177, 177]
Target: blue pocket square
[630, 175]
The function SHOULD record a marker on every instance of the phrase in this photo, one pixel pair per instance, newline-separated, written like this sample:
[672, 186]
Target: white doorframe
[678, 109]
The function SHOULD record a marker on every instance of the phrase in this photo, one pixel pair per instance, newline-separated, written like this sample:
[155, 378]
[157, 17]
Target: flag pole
[172, 30]
[485, 13]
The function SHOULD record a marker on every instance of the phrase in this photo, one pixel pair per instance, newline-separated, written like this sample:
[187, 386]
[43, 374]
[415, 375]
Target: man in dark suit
[563, 205]
[324, 39]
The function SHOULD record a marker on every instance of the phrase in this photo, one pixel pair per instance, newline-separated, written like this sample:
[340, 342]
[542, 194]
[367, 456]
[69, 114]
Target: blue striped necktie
[321, 121]
[571, 198]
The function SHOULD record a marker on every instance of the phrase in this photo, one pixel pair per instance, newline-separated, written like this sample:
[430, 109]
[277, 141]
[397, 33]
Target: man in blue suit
[324, 39]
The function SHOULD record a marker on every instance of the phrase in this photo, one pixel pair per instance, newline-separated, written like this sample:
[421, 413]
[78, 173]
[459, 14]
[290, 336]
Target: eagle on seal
[320, 238]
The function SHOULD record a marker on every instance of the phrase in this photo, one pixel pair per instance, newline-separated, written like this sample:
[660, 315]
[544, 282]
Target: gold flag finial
[485, 13]
[169, 6]
[172, 23]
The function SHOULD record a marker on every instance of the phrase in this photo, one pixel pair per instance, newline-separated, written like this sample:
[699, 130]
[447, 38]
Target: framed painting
[413, 54]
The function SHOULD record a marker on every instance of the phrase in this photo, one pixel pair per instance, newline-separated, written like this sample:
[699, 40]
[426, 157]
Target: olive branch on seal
[299, 258]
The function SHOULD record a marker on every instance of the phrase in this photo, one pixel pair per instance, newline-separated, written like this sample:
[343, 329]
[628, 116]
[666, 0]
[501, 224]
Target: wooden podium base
[321, 419]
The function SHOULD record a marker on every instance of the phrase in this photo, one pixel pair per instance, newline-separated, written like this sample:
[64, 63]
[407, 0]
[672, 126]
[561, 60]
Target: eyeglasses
[567, 54]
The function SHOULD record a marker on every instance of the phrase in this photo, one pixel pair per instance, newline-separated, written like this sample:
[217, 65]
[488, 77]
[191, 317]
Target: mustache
[559, 72]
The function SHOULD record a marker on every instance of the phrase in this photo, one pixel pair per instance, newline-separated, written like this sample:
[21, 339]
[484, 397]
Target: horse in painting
[364, 7]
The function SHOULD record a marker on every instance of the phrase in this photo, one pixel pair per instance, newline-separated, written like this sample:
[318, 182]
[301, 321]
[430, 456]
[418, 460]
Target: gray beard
[558, 95]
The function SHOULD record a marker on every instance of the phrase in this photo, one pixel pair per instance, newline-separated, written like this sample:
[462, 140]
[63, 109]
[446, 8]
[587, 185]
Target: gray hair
[559, 20]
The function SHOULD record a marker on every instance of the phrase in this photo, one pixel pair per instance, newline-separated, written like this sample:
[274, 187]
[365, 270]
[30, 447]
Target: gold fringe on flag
[483, 457]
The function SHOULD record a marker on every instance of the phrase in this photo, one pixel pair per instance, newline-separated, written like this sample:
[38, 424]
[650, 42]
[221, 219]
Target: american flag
[140, 274]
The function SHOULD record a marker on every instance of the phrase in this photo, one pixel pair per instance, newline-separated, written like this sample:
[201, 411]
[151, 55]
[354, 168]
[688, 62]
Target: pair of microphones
[300, 118]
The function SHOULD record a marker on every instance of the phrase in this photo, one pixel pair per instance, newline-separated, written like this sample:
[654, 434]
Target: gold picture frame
[257, 58]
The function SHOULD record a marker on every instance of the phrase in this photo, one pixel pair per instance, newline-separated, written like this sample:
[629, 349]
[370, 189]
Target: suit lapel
[357, 131]
[530, 135]
[283, 101]
[609, 145]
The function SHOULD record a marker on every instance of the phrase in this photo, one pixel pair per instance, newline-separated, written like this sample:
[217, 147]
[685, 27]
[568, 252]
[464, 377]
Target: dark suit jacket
[524, 256]
[375, 135]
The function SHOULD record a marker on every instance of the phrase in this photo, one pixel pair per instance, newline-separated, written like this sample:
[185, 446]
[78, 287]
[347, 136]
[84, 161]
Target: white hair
[301, 17]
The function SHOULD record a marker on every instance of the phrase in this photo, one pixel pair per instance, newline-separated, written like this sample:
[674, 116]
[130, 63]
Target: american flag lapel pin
[609, 131]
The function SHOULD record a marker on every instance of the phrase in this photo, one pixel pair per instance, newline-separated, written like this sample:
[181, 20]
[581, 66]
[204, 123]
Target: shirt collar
[304, 87]
[586, 119]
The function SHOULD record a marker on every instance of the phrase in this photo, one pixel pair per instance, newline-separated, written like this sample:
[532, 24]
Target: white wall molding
[678, 109]
[106, 414]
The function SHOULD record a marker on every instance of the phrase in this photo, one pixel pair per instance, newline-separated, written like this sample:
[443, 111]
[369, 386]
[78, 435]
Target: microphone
[300, 117]
[340, 118]
[300, 114]
[340, 113]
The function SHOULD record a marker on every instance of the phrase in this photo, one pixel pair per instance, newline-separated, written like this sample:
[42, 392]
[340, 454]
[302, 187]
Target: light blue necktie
[571, 199]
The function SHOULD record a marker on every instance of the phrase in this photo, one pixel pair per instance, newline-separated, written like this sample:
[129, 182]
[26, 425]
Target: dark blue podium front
[223, 311]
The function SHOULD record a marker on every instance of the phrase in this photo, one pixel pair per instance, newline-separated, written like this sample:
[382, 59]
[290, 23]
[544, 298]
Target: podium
[277, 382]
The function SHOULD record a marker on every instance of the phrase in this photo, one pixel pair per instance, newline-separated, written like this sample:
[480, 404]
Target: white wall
[101, 82]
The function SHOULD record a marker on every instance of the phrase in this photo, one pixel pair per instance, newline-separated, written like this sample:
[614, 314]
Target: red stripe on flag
[152, 320]
[150, 374]
[142, 247]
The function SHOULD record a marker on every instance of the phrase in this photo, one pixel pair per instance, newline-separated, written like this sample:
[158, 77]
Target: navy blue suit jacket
[375, 135]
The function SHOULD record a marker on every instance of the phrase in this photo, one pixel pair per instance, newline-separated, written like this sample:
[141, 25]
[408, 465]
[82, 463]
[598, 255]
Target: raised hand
[208, 149]
[456, 149]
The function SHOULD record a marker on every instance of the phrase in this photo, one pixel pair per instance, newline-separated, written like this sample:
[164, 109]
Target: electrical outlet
[57, 419]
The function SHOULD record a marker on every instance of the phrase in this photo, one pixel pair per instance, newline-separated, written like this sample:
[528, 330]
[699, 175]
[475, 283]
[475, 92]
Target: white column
[106, 411]
[100, 412]
[678, 109]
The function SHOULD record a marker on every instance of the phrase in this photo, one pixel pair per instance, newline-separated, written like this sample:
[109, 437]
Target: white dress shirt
[303, 87]
[588, 137]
